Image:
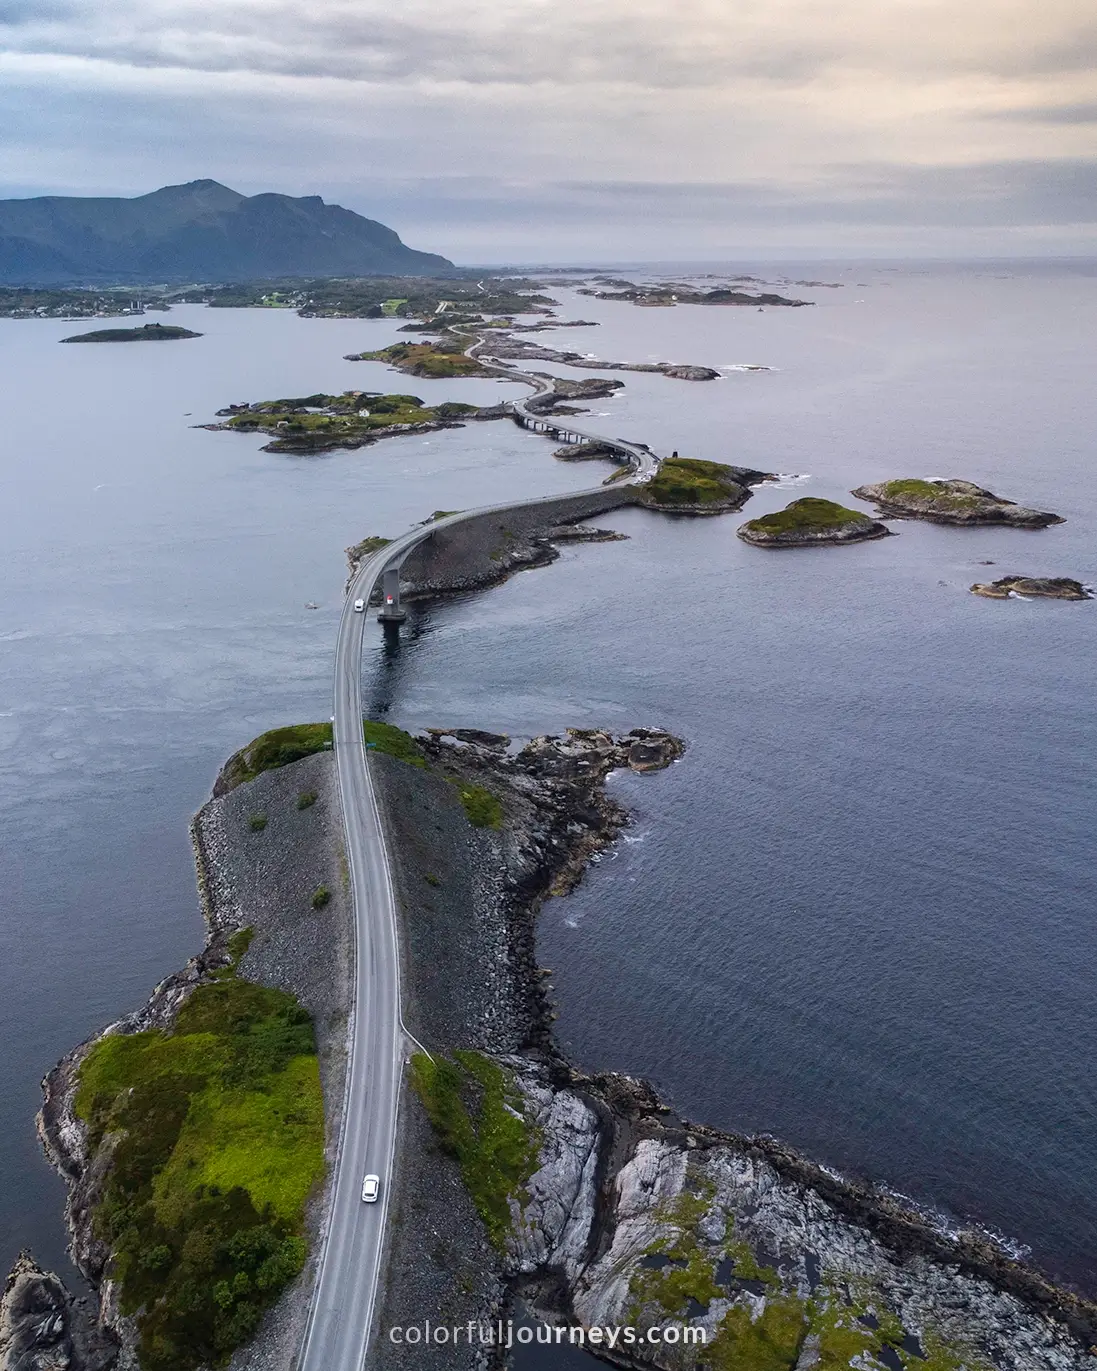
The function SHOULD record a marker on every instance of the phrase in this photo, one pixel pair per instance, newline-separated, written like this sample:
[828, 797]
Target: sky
[547, 131]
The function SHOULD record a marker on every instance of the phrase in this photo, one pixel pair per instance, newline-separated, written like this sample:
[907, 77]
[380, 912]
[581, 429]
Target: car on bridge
[359, 606]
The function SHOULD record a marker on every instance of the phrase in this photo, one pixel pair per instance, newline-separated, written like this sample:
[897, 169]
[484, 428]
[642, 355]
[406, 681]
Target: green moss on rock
[809, 522]
[477, 1111]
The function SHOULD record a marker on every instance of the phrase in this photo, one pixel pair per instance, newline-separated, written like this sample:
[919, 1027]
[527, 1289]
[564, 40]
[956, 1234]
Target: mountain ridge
[198, 231]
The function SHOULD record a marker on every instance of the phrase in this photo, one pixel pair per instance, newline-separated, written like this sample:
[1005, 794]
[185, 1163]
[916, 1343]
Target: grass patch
[278, 747]
[394, 741]
[320, 897]
[306, 799]
[257, 822]
[436, 360]
[911, 488]
[219, 1132]
[691, 481]
[807, 514]
[482, 807]
[366, 548]
[432, 879]
[238, 945]
[772, 1342]
[477, 1112]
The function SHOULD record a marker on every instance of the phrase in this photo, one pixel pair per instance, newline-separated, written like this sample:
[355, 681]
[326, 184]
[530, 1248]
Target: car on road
[371, 1188]
[359, 606]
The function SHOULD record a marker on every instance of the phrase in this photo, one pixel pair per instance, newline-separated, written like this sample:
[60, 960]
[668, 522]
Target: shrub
[482, 808]
[306, 799]
[257, 823]
[320, 897]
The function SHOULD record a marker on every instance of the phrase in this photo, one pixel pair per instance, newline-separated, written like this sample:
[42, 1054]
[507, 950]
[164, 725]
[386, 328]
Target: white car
[359, 606]
[371, 1188]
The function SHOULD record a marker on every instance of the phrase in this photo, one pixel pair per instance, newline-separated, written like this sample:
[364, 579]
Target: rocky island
[812, 522]
[674, 294]
[147, 333]
[1032, 587]
[322, 423]
[950, 502]
[435, 360]
[504, 346]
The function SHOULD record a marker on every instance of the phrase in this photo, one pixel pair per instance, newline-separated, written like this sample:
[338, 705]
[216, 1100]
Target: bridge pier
[391, 610]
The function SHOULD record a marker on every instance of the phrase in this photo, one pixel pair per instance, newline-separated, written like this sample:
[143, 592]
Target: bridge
[345, 1294]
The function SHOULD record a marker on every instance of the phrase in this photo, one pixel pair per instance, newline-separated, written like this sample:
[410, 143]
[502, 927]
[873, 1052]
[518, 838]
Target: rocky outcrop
[811, 523]
[636, 1218]
[504, 346]
[950, 502]
[43, 1328]
[1032, 588]
[597, 388]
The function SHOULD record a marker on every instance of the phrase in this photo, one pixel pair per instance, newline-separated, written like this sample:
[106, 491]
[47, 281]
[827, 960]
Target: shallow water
[858, 912]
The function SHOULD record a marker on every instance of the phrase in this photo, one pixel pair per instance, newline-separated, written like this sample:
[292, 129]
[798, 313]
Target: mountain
[202, 231]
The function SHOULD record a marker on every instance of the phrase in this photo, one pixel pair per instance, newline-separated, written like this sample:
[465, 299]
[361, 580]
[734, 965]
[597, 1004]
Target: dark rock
[42, 1328]
[1036, 587]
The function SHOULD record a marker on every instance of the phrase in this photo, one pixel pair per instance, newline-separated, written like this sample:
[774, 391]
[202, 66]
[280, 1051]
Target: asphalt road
[344, 1298]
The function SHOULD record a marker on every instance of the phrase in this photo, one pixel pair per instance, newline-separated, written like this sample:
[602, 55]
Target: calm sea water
[858, 914]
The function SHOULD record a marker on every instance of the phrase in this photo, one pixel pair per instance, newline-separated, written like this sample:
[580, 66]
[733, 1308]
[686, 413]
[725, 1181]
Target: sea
[859, 913]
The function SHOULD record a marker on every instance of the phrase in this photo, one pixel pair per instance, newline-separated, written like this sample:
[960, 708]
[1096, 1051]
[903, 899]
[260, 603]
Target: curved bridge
[349, 1270]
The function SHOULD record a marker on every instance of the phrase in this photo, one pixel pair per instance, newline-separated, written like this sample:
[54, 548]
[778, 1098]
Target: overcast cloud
[540, 130]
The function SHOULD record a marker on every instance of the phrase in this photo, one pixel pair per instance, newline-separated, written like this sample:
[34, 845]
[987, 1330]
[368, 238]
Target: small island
[436, 361]
[1032, 587]
[147, 333]
[321, 423]
[811, 523]
[689, 485]
[950, 502]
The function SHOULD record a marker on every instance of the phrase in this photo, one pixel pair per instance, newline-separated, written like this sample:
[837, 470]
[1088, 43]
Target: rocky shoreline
[628, 1206]
[812, 523]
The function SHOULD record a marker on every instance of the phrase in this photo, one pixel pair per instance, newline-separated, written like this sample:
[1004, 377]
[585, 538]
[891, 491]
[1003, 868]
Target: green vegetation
[366, 548]
[257, 822]
[320, 897]
[238, 945]
[147, 333]
[477, 1112]
[217, 1127]
[912, 488]
[435, 360]
[772, 1342]
[394, 741]
[432, 879]
[482, 808]
[690, 481]
[306, 799]
[282, 746]
[17, 302]
[278, 747]
[804, 516]
[321, 422]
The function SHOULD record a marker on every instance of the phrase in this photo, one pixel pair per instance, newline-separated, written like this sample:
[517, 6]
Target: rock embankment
[1032, 587]
[950, 502]
[485, 550]
[811, 523]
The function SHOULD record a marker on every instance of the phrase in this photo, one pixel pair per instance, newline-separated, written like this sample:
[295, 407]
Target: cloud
[866, 111]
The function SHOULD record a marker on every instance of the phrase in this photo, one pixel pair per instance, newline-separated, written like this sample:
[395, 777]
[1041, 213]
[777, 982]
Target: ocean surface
[859, 913]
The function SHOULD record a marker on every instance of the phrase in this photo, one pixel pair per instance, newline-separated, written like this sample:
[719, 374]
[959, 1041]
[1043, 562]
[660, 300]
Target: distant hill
[198, 232]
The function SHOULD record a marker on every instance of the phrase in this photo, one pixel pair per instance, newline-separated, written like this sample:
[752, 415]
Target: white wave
[785, 479]
[744, 366]
[1012, 595]
[635, 837]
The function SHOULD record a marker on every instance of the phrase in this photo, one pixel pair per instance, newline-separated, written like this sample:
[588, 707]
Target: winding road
[348, 1275]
